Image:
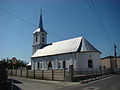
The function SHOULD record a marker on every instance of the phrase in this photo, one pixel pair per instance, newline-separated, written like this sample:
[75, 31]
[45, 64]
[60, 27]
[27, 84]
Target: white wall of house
[57, 61]
[79, 60]
[82, 59]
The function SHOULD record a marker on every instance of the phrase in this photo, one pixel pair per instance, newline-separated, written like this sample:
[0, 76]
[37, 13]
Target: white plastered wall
[82, 59]
[68, 58]
[79, 60]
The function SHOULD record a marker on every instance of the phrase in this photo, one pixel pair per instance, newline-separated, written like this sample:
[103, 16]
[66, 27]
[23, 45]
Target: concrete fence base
[39, 74]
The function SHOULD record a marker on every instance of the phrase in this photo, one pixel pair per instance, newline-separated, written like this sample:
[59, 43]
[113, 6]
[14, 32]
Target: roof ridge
[68, 39]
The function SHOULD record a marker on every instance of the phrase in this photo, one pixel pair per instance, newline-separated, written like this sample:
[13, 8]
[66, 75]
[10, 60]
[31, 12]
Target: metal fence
[86, 71]
[81, 74]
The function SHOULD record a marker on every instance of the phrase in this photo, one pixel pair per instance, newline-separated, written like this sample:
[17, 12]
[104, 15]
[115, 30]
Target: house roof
[79, 44]
[29, 64]
[108, 57]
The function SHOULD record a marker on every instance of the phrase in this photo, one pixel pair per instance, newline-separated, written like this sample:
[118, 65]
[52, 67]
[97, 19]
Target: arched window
[38, 65]
[43, 39]
[36, 39]
[50, 65]
[64, 64]
[90, 64]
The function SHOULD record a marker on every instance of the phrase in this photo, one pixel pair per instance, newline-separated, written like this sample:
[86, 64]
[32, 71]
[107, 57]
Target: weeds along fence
[38, 74]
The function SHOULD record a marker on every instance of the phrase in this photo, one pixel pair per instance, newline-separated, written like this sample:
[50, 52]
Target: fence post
[27, 73]
[100, 71]
[104, 70]
[71, 73]
[64, 74]
[34, 73]
[16, 72]
[21, 73]
[42, 72]
[52, 74]
[92, 75]
[11, 72]
[87, 74]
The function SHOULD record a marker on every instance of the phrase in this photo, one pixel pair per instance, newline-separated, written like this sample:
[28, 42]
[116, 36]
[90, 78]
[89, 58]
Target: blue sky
[63, 19]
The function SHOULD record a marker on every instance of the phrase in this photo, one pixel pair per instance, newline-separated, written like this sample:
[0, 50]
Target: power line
[99, 21]
[18, 18]
[8, 12]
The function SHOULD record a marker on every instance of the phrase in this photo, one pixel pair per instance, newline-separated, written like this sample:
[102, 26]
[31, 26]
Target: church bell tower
[39, 36]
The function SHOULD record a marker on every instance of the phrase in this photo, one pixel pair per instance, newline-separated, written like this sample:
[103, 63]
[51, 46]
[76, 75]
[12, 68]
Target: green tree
[8, 63]
[3, 64]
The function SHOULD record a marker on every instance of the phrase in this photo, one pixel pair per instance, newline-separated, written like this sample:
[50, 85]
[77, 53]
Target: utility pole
[115, 54]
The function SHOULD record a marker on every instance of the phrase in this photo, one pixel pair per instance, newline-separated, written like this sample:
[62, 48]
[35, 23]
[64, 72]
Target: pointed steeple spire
[40, 20]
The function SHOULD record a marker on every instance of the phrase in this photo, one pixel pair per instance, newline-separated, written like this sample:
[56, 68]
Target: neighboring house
[58, 55]
[110, 62]
[29, 65]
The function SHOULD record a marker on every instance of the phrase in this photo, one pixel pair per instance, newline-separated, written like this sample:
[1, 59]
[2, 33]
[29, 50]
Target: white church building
[59, 55]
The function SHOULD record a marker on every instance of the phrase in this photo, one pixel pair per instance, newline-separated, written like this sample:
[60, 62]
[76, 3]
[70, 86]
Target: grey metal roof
[108, 57]
[86, 46]
[79, 44]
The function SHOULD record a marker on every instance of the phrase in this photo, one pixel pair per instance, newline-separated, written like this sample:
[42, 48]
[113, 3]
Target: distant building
[109, 62]
[59, 55]
[29, 65]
